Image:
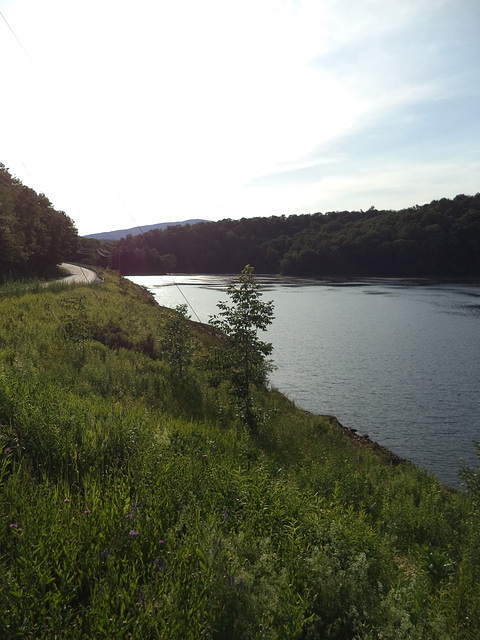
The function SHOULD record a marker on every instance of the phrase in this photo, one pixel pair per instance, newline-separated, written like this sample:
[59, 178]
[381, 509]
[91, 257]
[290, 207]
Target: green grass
[134, 504]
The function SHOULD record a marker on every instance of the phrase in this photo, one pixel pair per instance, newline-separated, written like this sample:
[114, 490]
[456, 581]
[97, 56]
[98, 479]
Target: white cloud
[173, 107]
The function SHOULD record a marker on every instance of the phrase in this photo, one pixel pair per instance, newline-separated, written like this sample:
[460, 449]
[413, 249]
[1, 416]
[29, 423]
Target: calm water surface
[399, 363]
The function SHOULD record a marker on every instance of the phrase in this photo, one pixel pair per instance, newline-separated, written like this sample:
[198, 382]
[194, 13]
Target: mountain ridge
[118, 234]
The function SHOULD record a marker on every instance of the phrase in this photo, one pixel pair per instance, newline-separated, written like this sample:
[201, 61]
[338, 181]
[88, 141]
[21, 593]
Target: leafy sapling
[245, 359]
[176, 341]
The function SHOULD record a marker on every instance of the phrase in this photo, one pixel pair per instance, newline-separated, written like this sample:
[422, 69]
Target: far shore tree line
[439, 240]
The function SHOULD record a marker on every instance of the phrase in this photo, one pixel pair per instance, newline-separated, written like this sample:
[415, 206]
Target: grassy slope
[134, 505]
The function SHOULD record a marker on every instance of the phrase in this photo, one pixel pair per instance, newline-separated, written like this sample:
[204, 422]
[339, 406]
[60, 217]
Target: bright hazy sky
[158, 111]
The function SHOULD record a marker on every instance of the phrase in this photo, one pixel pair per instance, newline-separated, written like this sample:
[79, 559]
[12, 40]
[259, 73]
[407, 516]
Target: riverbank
[397, 362]
[366, 442]
[136, 504]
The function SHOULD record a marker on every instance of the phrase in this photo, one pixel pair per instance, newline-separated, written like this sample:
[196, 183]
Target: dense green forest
[440, 239]
[34, 237]
[137, 502]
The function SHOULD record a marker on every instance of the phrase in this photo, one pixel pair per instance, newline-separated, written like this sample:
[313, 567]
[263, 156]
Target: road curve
[78, 275]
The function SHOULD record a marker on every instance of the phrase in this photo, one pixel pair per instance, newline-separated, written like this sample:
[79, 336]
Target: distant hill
[110, 236]
[436, 240]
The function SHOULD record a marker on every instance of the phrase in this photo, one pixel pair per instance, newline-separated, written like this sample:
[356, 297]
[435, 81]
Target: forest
[436, 240]
[440, 239]
[34, 237]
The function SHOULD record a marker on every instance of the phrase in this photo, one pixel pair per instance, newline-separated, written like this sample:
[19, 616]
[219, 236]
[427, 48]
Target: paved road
[78, 274]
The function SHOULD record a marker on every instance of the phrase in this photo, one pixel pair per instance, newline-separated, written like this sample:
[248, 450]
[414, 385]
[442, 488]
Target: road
[78, 275]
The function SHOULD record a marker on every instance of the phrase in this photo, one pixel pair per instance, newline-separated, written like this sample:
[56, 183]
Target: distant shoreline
[351, 281]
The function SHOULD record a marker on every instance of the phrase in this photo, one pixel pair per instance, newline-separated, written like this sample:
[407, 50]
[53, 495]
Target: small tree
[246, 355]
[176, 341]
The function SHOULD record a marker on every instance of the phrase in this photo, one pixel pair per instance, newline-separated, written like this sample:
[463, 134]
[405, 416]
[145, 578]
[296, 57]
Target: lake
[400, 363]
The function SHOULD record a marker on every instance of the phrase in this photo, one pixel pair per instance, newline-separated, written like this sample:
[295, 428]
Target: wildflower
[67, 500]
[204, 455]
[159, 564]
[129, 515]
[87, 511]
[225, 515]
[7, 450]
[134, 505]
[161, 542]
[13, 526]
[134, 533]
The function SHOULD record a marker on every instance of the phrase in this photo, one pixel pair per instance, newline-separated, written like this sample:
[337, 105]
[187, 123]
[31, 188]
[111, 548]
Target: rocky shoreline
[365, 441]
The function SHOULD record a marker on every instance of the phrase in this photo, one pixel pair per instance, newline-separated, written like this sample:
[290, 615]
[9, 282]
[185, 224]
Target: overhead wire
[188, 303]
[21, 46]
[72, 124]
[93, 156]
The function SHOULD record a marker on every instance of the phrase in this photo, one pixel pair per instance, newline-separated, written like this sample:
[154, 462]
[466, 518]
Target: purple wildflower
[161, 542]
[13, 526]
[129, 515]
[159, 564]
[7, 450]
[204, 455]
[134, 505]
[134, 533]
[67, 500]
[87, 511]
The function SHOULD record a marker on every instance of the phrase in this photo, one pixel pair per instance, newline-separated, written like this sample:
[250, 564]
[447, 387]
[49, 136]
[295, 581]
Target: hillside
[136, 504]
[34, 237]
[109, 236]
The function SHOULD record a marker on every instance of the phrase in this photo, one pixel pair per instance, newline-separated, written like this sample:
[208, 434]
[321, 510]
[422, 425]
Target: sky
[133, 113]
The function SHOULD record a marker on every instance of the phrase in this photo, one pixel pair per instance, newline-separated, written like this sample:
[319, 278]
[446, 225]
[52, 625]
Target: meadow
[134, 502]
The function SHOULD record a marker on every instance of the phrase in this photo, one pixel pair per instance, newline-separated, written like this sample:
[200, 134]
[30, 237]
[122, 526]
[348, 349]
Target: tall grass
[133, 503]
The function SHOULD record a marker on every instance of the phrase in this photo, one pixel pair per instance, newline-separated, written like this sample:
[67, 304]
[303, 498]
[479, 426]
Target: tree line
[439, 239]
[34, 237]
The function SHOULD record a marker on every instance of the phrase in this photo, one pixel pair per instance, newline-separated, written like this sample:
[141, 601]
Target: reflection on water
[401, 363]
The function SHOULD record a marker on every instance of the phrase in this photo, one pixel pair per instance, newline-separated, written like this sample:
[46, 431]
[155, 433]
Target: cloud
[165, 110]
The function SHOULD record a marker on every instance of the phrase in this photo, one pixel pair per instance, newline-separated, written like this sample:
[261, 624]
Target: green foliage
[472, 479]
[128, 510]
[176, 341]
[439, 239]
[245, 358]
[34, 237]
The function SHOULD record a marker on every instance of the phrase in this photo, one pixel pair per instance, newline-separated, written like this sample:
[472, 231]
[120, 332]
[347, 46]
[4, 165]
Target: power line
[22, 47]
[185, 298]
[82, 140]
[73, 125]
